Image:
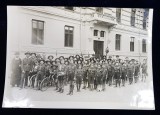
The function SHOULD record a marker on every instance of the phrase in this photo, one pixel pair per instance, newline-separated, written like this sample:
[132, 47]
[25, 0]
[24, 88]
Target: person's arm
[22, 66]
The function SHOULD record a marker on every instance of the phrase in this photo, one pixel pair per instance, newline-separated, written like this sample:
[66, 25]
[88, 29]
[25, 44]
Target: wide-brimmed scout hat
[28, 53]
[42, 60]
[50, 56]
[61, 57]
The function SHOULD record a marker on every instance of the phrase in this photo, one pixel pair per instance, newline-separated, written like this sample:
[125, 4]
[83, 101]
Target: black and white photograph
[79, 58]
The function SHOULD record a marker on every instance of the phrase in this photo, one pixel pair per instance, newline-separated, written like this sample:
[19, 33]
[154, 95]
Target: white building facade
[78, 30]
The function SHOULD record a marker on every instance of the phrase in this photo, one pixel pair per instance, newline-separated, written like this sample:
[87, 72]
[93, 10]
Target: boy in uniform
[117, 73]
[71, 75]
[79, 75]
[124, 73]
[91, 74]
[41, 72]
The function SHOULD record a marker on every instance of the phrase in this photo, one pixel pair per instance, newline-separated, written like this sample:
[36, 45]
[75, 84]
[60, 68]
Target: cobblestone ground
[130, 94]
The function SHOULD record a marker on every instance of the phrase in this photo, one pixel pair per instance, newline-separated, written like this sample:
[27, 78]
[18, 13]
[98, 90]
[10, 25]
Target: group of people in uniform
[73, 71]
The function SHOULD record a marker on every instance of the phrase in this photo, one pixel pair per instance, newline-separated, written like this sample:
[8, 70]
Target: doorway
[98, 48]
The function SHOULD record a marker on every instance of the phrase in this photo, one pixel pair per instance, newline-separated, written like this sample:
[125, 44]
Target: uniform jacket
[27, 64]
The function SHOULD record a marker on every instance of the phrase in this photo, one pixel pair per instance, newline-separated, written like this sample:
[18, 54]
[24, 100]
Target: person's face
[27, 55]
[41, 62]
[50, 58]
[17, 56]
[62, 61]
[71, 61]
[53, 63]
[33, 55]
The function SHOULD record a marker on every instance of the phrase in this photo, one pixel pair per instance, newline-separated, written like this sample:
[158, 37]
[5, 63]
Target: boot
[62, 90]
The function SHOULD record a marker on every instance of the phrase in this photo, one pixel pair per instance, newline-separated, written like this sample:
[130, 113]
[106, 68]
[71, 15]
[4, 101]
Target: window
[132, 44]
[37, 32]
[145, 16]
[118, 14]
[68, 36]
[69, 8]
[102, 34]
[117, 43]
[133, 13]
[95, 33]
[144, 45]
[99, 10]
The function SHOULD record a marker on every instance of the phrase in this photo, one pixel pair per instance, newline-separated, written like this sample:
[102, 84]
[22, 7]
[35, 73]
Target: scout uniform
[99, 76]
[110, 73]
[16, 70]
[48, 67]
[117, 74]
[41, 72]
[91, 75]
[61, 71]
[26, 69]
[79, 75]
[144, 71]
[137, 67]
[53, 73]
[105, 74]
[34, 72]
[124, 73]
[71, 74]
[130, 72]
[85, 75]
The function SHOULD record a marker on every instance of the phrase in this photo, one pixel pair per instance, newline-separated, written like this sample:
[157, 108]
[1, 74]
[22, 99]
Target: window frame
[133, 16]
[94, 32]
[116, 47]
[132, 43]
[70, 34]
[144, 43]
[102, 34]
[118, 11]
[37, 30]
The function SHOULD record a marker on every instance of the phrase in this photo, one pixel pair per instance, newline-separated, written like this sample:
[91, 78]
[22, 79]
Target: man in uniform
[57, 60]
[16, 70]
[26, 69]
[79, 76]
[117, 73]
[124, 73]
[144, 70]
[61, 75]
[41, 72]
[136, 73]
[105, 74]
[110, 72]
[98, 77]
[71, 75]
[85, 74]
[91, 74]
[130, 72]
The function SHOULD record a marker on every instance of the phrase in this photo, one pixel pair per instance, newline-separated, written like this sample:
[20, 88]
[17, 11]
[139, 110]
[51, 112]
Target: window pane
[37, 32]
[66, 28]
[34, 36]
[34, 24]
[71, 41]
[40, 25]
[66, 39]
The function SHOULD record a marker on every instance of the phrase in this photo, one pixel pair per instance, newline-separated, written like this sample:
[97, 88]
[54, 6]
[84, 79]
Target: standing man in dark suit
[26, 69]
